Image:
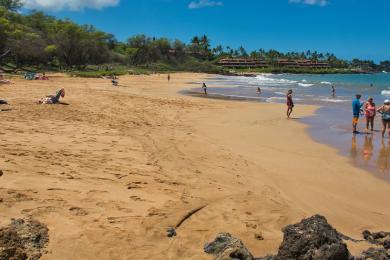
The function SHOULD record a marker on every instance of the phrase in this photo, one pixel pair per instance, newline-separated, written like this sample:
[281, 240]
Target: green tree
[11, 5]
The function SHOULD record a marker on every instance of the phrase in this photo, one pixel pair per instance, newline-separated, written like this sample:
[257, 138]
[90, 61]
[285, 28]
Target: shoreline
[109, 173]
[314, 125]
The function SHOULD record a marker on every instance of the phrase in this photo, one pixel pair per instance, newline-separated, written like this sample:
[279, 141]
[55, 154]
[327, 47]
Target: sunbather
[53, 99]
[3, 80]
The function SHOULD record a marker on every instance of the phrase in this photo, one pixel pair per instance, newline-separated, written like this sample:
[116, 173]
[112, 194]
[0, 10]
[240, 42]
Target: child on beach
[290, 103]
[259, 91]
[385, 111]
[356, 108]
[333, 91]
[370, 113]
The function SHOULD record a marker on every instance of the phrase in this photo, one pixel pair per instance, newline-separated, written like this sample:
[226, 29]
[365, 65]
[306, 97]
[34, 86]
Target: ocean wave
[275, 99]
[385, 92]
[331, 100]
[280, 93]
[269, 80]
[326, 82]
[304, 80]
[305, 85]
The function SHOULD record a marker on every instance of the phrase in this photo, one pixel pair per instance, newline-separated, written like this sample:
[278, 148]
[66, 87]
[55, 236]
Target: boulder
[374, 254]
[313, 238]
[226, 247]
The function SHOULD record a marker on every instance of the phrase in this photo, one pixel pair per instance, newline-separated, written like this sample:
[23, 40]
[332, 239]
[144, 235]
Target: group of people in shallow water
[369, 110]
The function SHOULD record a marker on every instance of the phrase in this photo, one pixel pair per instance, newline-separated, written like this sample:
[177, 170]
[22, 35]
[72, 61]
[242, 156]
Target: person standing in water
[333, 91]
[290, 103]
[356, 108]
[385, 111]
[370, 113]
[204, 87]
[259, 91]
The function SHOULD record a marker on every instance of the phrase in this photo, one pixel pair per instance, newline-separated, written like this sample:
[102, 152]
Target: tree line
[36, 39]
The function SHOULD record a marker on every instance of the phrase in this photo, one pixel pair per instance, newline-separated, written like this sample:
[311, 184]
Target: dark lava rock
[313, 238]
[379, 238]
[259, 236]
[226, 247]
[171, 232]
[23, 239]
[374, 254]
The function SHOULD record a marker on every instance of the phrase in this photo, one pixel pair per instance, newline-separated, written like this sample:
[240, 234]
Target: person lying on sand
[53, 99]
[42, 76]
[385, 111]
[3, 80]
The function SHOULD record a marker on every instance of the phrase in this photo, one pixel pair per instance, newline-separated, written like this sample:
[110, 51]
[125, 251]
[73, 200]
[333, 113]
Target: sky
[347, 28]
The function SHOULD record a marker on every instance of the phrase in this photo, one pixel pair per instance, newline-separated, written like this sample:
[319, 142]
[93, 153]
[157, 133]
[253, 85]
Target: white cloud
[74, 5]
[204, 3]
[310, 2]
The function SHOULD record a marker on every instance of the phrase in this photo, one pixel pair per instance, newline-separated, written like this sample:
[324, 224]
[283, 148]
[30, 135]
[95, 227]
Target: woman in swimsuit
[370, 113]
[385, 111]
[290, 103]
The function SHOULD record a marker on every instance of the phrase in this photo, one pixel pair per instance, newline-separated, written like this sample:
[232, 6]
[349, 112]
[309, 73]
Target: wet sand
[109, 172]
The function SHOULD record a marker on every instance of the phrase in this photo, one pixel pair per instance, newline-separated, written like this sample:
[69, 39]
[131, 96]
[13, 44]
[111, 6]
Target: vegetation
[40, 42]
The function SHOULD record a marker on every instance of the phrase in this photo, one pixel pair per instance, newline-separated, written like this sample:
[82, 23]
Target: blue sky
[348, 28]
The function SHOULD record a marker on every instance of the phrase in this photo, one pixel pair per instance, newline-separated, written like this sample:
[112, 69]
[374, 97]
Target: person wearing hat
[385, 111]
[356, 108]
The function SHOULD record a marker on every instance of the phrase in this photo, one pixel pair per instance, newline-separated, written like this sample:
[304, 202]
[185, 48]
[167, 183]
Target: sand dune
[109, 172]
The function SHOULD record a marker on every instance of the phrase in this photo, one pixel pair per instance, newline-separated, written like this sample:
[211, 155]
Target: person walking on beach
[204, 87]
[290, 103]
[370, 113]
[385, 111]
[356, 108]
[333, 91]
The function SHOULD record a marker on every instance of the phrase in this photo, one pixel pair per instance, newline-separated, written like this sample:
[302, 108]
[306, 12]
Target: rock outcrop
[226, 247]
[23, 239]
[311, 239]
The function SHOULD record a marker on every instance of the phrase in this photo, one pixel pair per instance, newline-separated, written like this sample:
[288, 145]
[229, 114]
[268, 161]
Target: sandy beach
[112, 170]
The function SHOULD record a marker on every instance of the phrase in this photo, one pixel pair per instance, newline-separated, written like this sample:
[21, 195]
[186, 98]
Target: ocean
[331, 123]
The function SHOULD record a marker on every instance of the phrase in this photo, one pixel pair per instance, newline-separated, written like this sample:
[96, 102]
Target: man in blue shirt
[356, 107]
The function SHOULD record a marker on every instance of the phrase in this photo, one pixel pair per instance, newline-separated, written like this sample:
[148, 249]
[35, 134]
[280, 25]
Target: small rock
[259, 236]
[226, 247]
[386, 244]
[171, 232]
[1, 173]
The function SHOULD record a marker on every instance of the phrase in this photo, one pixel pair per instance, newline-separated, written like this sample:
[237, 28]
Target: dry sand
[109, 172]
